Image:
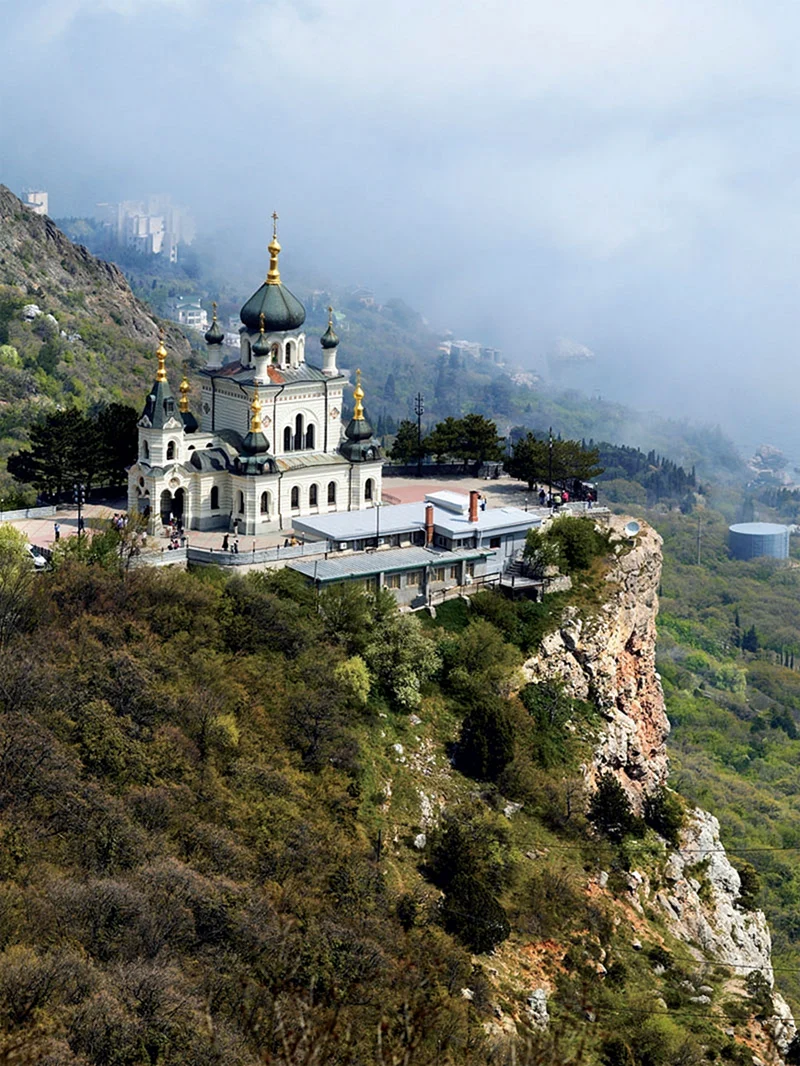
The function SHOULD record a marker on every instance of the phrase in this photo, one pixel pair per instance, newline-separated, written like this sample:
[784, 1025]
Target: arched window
[288, 351]
[312, 496]
[171, 450]
[310, 435]
[368, 489]
[287, 439]
[265, 503]
[240, 502]
[214, 498]
[295, 498]
[298, 433]
[331, 492]
[145, 450]
[274, 353]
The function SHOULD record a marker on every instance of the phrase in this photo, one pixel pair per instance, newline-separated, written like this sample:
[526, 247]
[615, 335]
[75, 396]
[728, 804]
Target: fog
[623, 174]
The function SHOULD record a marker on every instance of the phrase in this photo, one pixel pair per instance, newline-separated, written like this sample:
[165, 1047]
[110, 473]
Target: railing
[276, 554]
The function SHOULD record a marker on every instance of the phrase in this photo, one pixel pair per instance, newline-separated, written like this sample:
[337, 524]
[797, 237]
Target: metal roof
[299, 460]
[758, 529]
[366, 564]
[408, 517]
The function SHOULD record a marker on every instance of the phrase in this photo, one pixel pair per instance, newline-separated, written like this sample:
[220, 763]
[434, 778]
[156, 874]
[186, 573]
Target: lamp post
[550, 470]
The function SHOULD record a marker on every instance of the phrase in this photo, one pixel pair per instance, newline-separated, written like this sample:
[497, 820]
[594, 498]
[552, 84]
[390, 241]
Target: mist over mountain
[621, 176]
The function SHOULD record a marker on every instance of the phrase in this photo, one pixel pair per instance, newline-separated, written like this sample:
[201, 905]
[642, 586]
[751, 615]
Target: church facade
[269, 445]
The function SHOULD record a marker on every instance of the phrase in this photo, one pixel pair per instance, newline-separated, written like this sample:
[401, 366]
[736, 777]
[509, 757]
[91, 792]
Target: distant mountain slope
[90, 340]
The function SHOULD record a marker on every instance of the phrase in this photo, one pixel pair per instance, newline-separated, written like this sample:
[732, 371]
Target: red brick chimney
[473, 505]
[429, 525]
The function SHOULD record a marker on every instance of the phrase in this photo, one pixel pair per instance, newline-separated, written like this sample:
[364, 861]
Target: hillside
[244, 824]
[90, 341]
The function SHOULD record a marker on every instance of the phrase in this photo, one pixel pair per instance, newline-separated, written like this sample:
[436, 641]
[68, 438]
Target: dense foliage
[210, 809]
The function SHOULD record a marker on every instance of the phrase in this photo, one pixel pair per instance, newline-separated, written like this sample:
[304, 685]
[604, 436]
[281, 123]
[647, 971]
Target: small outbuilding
[750, 540]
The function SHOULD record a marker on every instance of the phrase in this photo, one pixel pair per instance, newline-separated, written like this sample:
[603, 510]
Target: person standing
[225, 543]
[57, 530]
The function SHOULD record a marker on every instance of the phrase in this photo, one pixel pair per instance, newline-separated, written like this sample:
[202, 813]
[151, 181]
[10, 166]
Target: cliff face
[610, 660]
[36, 257]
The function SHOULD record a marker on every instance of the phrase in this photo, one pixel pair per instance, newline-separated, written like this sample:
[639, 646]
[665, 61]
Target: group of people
[119, 521]
[231, 545]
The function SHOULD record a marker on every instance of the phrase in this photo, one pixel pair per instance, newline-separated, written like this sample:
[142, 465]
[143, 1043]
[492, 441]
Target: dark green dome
[215, 334]
[282, 310]
[329, 339]
[358, 429]
[261, 346]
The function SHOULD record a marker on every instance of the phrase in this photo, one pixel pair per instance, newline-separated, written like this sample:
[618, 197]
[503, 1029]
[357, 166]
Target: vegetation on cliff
[232, 831]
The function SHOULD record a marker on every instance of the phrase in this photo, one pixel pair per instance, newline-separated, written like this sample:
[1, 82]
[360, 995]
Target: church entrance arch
[178, 504]
[165, 508]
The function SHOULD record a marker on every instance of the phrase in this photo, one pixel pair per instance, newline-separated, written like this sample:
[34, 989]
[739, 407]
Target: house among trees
[269, 445]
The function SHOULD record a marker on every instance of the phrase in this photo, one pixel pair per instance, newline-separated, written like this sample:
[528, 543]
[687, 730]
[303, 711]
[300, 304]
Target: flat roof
[758, 529]
[366, 564]
[408, 517]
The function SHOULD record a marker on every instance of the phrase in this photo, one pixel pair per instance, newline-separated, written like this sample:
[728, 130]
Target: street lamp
[550, 470]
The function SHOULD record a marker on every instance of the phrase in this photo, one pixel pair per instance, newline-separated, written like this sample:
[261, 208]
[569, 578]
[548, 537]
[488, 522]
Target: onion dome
[359, 446]
[329, 339]
[255, 446]
[159, 406]
[214, 334]
[281, 309]
[185, 388]
[261, 346]
[188, 419]
[161, 353]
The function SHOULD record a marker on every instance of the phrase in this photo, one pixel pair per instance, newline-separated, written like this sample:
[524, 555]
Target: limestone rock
[609, 658]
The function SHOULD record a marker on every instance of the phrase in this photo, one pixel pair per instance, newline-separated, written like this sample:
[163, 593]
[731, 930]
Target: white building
[37, 200]
[269, 446]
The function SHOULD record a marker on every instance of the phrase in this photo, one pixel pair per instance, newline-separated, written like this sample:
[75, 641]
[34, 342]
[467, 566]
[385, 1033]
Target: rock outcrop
[609, 658]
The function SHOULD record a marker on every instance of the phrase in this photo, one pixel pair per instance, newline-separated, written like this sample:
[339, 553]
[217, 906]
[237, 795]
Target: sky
[623, 174]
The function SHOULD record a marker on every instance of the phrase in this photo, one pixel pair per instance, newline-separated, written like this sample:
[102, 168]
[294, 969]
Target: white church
[269, 446]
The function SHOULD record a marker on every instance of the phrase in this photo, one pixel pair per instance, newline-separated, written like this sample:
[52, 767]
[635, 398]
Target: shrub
[610, 809]
[473, 914]
[750, 885]
[486, 743]
[664, 812]
[577, 541]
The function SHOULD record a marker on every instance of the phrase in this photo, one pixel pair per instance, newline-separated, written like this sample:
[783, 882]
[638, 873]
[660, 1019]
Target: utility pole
[699, 535]
[550, 469]
[79, 498]
[419, 411]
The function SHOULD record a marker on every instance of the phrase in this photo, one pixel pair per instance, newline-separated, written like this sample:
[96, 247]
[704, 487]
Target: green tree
[528, 460]
[610, 809]
[117, 439]
[65, 448]
[541, 553]
[470, 912]
[578, 541]
[531, 461]
[486, 742]
[444, 439]
[663, 811]
[401, 658]
[407, 446]
[16, 583]
[478, 440]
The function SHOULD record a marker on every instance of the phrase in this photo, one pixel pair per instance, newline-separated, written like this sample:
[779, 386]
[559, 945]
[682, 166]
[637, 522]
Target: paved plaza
[502, 492]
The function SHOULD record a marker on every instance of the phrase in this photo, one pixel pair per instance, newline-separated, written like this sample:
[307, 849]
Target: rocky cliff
[37, 258]
[608, 656]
